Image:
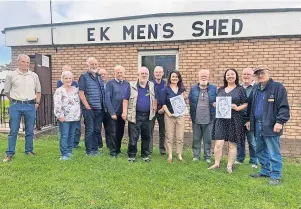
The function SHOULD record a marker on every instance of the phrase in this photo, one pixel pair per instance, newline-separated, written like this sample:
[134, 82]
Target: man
[115, 90]
[247, 84]
[139, 108]
[104, 75]
[202, 113]
[22, 87]
[59, 83]
[91, 93]
[269, 111]
[159, 85]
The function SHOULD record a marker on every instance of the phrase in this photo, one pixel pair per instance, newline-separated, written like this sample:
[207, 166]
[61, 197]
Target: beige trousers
[174, 128]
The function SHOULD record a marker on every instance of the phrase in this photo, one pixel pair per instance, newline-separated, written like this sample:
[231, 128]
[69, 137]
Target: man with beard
[92, 94]
[202, 113]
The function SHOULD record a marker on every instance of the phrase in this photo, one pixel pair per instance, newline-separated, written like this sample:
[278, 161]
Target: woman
[173, 122]
[230, 130]
[67, 111]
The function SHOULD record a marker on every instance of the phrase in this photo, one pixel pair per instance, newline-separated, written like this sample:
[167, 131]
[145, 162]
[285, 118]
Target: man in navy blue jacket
[269, 110]
[115, 89]
[92, 96]
[202, 113]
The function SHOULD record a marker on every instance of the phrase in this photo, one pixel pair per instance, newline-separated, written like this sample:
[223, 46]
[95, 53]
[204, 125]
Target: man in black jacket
[269, 111]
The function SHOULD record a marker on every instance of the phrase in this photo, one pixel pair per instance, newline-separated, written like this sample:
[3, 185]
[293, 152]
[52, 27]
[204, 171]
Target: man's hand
[155, 108]
[88, 107]
[214, 104]
[161, 111]
[248, 125]
[114, 117]
[61, 119]
[37, 106]
[124, 115]
[278, 127]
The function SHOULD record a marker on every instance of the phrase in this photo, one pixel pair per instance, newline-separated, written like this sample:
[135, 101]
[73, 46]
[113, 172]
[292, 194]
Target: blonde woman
[67, 110]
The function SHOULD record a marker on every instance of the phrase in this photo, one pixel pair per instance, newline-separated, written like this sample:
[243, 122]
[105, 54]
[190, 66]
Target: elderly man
[92, 94]
[202, 113]
[269, 111]
[247, 84]
[115, 90]
[104, 75]
[139, 108]
[159, 85]
[59, 83]
[22, 87]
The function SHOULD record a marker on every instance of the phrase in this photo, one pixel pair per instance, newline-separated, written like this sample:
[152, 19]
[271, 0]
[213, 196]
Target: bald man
[247, 83]
[139, 108]
[92, 95]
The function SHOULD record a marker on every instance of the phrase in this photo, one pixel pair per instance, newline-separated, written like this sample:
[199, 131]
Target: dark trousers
[106, 122]
[92, 121]
[160, 119]
[143, 126]
[116, 135]
[77, 134]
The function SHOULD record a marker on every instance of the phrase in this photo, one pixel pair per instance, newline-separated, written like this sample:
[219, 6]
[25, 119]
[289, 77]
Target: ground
[101, 182]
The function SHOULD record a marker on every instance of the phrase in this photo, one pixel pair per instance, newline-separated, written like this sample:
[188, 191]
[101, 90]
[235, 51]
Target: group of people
[258, 111]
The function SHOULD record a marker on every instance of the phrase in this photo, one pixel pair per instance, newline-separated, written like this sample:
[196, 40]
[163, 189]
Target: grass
[102, 182]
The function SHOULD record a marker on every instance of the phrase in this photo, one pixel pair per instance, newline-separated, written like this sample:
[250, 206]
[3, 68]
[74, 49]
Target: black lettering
[140, 32]
[91, 34]
[222, 26]
[103, 33]
[167, 28]
[210, 27]
[127, 31]
[236, 31]
[197, 26]
[152, 32]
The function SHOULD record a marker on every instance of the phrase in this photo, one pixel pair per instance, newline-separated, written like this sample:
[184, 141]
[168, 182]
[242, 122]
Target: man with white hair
[22, 87]
[159, 85]
[202, 113]
[104, 75]
[92, 94]
[115, 90]
[247, 84]
[139, 108]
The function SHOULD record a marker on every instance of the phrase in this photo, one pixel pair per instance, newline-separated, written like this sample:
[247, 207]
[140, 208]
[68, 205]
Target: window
[167, 59]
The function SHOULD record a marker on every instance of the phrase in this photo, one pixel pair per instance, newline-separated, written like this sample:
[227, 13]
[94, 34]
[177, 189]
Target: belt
[142, 113]
[24, 102]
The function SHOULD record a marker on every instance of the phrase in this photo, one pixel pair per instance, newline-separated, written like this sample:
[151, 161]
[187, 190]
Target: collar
[20, 72]
[138, 85]
[252, 84]
[155, 81]
[265, 86]
[118, 81]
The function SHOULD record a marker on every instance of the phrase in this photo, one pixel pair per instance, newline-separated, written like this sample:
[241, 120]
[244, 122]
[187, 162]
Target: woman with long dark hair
[173, 122]
[231, 129]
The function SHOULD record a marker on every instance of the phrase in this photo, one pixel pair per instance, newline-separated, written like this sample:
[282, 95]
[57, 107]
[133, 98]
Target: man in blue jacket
[115, 90]
[202, 113]
[92, 96]
[269, 110]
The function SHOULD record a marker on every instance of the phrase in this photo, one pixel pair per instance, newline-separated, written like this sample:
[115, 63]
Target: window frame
[158, 53]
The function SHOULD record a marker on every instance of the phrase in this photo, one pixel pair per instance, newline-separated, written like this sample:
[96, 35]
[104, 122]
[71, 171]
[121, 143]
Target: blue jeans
[67, 133]
[16, 111]
[241, 148]
[92, 120]
[268, 153]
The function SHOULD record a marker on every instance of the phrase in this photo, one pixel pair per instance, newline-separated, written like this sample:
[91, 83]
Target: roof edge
[158, 15]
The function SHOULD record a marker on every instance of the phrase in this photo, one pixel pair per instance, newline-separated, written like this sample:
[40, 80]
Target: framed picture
[223, 107]
[178, 105]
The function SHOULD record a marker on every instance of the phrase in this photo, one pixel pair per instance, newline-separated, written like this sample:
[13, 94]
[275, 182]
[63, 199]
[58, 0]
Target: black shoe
[258, 175]
[76, 147]
[131, 159]
[274, 182]
[146, 159]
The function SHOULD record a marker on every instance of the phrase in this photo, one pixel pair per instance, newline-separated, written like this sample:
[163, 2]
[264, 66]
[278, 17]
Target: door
[43, 69]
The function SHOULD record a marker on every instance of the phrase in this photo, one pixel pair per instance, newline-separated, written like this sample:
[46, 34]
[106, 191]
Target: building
[183, 41]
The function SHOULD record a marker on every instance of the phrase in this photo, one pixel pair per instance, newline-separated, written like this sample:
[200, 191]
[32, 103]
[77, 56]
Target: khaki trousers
[174, 125]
